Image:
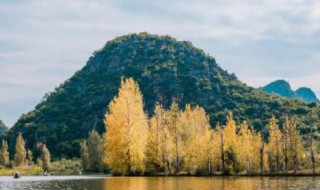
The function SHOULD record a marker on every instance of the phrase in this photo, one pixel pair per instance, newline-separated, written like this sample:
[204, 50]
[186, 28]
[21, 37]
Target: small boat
[16, 175]
[46, 173]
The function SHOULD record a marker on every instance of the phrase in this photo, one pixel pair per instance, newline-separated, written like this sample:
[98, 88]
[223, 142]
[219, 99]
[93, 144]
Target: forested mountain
[283, 88]
[165, 69]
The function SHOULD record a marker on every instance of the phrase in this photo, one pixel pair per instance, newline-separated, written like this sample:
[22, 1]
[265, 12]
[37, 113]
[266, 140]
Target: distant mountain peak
[306, 94]
[283, 88]
[281, 82]
[280, 87]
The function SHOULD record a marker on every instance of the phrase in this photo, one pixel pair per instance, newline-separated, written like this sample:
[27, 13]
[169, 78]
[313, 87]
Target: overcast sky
[42, 43]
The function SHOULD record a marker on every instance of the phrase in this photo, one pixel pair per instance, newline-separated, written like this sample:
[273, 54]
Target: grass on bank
[23, 170]
[66, 167]
[60, 167]
[73, 167]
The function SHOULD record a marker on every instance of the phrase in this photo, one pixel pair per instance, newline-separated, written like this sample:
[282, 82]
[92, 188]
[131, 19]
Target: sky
[42, 43]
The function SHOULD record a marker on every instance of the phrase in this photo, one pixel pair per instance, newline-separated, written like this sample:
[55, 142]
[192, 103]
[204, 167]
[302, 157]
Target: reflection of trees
[206, 183]
[181, 183]
[126, 183]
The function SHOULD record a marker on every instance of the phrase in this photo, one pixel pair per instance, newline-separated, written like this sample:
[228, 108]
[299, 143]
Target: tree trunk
[222, 153]
[261, 158]
[312, 154]
[295, 163]
[313, 165]
[209, 165]
[168, 165]
[177, 151]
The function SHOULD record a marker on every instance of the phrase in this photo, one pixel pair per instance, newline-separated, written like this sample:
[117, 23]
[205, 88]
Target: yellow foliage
[230, 133]
[275, 146]
[196, 138]
[176, 141]
[217, 148]
[160, 149]
[293, 147]
[126, 129]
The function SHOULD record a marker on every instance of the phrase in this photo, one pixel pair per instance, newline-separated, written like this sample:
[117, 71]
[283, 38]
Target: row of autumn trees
[178, 141]
[23, 157]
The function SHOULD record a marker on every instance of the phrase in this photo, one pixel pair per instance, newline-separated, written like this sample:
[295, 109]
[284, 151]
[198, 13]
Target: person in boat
[16, 175]
[46, 173]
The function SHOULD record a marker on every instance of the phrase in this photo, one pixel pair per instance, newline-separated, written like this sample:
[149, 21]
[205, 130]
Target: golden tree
[84, 155]
[230, 132]
[126, 129]
[158, 141]
[167, 145]
[4, 154]
[175, 131]
[231, 144]
[20, 151]
[293, 144]
[274, 146]
[196, 137]
[45, 157]
[261, 157]
[312, 144]
[244, 147]
[286, 143]
[218, 148]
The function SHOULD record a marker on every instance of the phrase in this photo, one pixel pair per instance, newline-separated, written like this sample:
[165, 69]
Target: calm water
[158, 183]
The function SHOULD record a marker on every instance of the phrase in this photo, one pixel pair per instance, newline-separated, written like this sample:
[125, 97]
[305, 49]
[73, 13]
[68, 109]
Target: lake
[158, 183]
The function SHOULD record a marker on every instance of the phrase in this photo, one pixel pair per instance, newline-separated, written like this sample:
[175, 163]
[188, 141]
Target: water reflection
[159, 183]
[214, 183]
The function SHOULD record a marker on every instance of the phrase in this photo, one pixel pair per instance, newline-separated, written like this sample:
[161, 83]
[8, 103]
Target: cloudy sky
[42, 43]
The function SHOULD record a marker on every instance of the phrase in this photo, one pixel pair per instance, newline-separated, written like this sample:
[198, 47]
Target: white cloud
[45, 42]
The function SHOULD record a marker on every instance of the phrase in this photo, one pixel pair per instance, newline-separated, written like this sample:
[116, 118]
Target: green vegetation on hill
[165, 69]
[283, 88]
